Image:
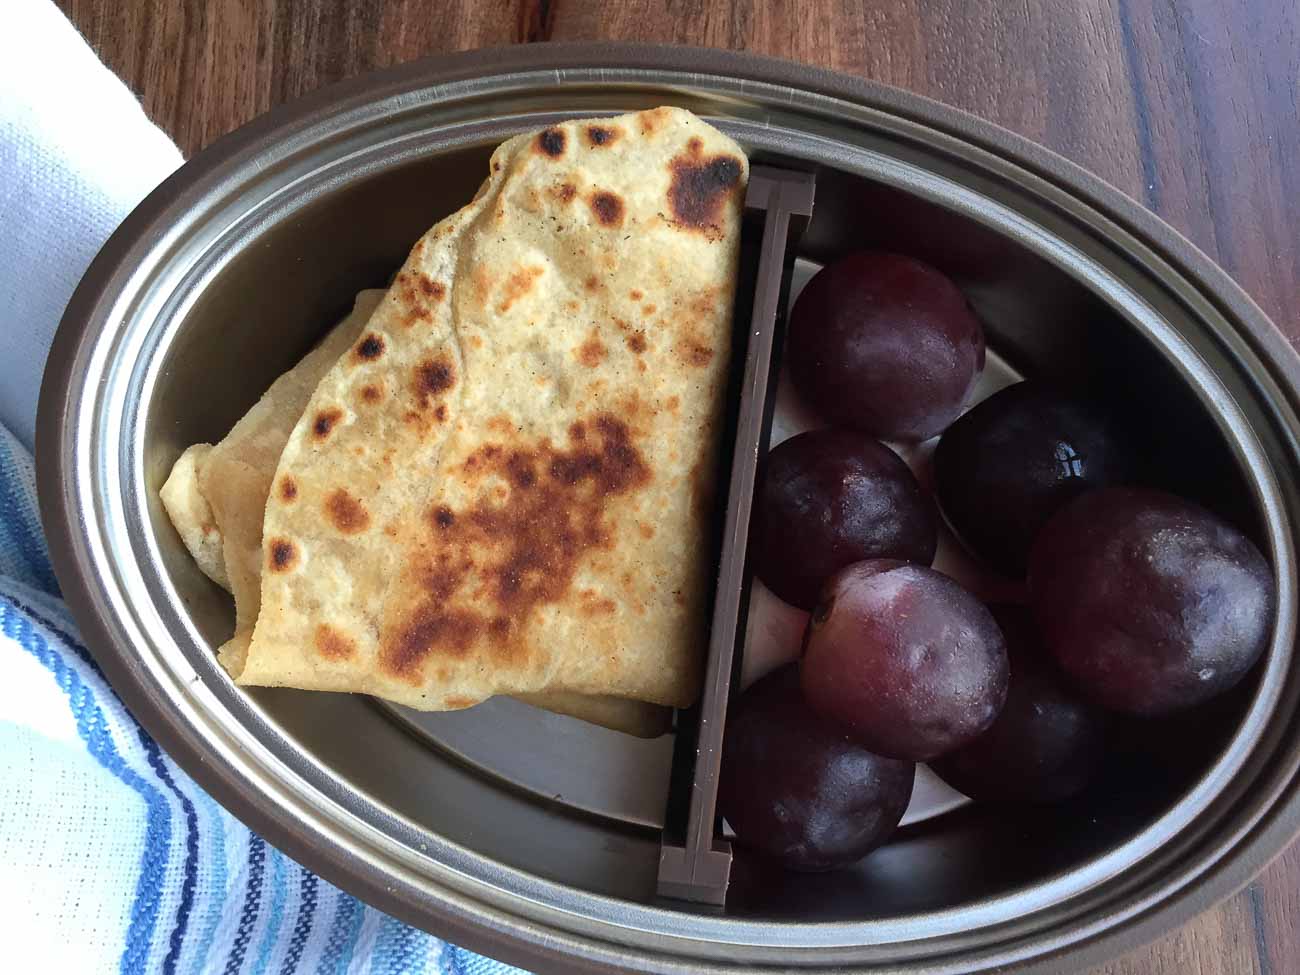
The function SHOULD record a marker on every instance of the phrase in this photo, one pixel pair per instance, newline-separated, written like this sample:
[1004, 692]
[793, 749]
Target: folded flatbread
[504, 485]
[237, 474]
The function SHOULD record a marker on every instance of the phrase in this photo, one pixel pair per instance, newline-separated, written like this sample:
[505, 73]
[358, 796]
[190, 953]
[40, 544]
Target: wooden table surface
[1189, 106]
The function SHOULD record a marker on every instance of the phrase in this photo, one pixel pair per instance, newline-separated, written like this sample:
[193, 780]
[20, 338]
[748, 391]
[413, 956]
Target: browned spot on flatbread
[647, 531]
[288, 489]
[460, 703]
[433, 377]
[592, 352]
[518, 284]
[431, 289]
[372, 393]
[635, 295]
[636, 342]
[651, 119]
[703, 304]
[430, 629]
[613, 468]
[332, 644]
[691, 351]
[608, 208]
[369, 348]
[501, 424]
[441, 580]
[550, 143]
[521, 469]
[632, 407]
[497, 560]
[346, 513]
[701, 187]
[281, 555]
[440, 413]
[672, 403]
[592, 283]
[648, 310]
[591, 603]
[602, 135]
[564, 192]
[324, 423]
[414, 292]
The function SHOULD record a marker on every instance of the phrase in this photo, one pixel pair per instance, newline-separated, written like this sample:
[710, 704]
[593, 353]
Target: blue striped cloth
[113, 859]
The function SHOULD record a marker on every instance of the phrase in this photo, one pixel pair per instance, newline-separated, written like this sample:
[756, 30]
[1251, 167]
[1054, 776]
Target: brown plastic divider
[695, 864]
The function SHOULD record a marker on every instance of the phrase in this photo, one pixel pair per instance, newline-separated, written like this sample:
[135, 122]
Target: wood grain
[1189, 106]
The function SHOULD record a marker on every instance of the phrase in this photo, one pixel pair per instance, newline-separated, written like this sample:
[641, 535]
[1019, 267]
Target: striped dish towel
[114, 860]
[111, 858]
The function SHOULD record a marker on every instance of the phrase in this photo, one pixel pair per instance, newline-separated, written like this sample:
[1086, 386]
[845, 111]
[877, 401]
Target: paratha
[505, 485]
[237, 474]
[192, 516]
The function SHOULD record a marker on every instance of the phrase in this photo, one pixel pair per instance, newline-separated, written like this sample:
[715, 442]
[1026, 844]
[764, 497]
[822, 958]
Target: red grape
[905, 659]
[797, 789]
[884, 344]
[1045, 745]
[1010, 463]
[831, 498]
[1149, 603]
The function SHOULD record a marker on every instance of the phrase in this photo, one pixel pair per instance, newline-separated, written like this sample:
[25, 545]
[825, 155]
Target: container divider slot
[694, 862]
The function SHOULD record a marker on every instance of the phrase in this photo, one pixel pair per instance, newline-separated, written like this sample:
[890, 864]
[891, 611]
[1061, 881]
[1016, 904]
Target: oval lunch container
[536, 838]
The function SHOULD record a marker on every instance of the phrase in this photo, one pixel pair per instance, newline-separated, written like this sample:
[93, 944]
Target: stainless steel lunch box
[540, 846]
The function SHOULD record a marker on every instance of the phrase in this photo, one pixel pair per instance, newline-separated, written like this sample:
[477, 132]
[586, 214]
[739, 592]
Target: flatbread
[192, 516]
[237, 476]
[505, 486]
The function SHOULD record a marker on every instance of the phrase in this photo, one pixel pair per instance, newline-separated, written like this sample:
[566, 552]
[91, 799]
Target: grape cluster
[1139, 602]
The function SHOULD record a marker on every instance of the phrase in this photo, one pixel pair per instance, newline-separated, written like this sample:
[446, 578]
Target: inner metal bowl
[227, 273]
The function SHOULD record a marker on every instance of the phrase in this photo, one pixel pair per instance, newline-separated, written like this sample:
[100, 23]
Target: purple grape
[830, 498]
[1046, 743]
[1003, 469]
[902, 657]
[796, 789]
[884, 344]
[1148, 602]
